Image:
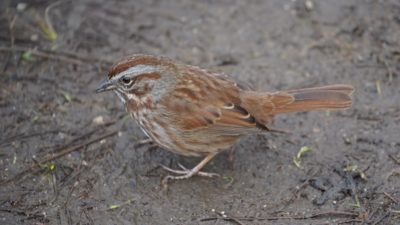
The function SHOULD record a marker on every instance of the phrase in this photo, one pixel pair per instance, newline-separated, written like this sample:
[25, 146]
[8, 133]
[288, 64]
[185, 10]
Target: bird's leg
[277, 130]
[151, 145]
[144, 141]
[185, 173]
[231, 157]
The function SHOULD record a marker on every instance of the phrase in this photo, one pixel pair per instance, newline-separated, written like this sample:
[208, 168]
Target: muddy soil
[70, 156]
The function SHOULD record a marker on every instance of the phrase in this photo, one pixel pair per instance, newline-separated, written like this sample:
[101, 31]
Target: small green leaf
[357, 203]
[327, 113]
[27, 56]
[116, 206]
[35, 118]
[351, 168]
[296, 158]
[66, 96]
[227, 178]
[296, 162]
[50, 166]
[46, 26]
[302, 151]
[378, 87]
[47, 29]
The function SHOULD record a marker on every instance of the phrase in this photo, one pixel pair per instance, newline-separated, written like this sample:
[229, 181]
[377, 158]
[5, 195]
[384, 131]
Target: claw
[185, 173]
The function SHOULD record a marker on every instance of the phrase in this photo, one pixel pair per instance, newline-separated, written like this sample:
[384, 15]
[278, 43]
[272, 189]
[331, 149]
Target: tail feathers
[326, 97]
[264, 105]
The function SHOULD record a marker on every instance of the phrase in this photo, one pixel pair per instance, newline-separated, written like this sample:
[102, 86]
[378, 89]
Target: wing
[202, 101]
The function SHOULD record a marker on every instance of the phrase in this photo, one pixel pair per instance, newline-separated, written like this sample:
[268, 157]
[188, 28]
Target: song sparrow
[193, 112]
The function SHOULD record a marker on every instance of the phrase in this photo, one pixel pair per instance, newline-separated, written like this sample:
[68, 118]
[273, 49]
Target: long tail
[264, 105]
[327, 97]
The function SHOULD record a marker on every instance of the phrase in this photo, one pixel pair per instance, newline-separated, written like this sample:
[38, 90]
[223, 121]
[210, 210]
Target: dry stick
[65, 151]
[88, 134]
[396, 160]
[381, 218]
[295, 193]
[350, 221]
[312, 216]
[25, 136]
[224, 217]
[232, 218]
[390, 197]
[86, 59]
[76, 147]
[42, 54]
[387, 66]
[73, 59]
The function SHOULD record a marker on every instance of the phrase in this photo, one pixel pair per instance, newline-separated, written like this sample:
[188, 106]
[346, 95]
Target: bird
[194, 112]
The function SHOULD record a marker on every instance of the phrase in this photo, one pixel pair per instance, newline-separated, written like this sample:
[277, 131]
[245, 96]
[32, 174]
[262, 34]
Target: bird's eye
[126, 80]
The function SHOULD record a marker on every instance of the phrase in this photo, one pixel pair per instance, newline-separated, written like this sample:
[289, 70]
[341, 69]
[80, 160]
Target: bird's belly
[154, 131]
[162, 134]
[188, 143]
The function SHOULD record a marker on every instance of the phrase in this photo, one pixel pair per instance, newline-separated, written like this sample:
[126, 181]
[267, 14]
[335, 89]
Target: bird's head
[138, 76]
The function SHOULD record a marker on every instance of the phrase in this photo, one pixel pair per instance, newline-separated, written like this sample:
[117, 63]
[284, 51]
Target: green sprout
[27, 56]
[116, 206]
[297, 157]
[67, 96]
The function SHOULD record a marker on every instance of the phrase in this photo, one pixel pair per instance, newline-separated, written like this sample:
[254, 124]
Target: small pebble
[21, 6]
[98, 120]
[34, 37]
[309, 5]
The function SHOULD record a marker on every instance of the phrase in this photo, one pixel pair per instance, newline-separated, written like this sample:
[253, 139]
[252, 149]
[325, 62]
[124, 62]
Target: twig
[381, 218]
[11, 28]
[22, 213]
[81, 137]
[311, 216]
[390, 197]
[388, 68]
[76, 147]
[22, 136]
[12, 41]
[230, 218]
[350, 221]
[396, 160]
[294, 193]
[63, 152]
[42, 54]
[68, 58]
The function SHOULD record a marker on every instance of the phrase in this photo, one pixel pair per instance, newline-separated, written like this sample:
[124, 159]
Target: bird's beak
[105, 85]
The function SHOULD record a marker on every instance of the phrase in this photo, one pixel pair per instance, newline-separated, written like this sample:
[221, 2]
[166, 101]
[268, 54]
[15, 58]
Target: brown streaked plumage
[197, 113]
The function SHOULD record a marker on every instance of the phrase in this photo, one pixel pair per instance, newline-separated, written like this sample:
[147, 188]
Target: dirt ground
[70, 156]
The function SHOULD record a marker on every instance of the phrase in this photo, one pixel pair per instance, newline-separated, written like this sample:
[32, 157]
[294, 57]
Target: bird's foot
[185, 173]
